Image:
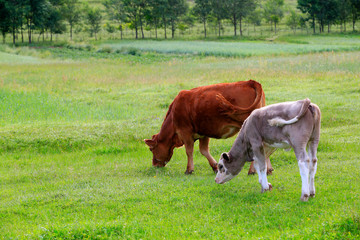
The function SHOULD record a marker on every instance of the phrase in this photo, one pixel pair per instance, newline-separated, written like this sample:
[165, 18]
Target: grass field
[73, 164]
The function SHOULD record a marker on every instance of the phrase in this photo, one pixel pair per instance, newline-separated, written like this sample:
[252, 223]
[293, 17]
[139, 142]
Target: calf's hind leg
[313, 166]
[303, 162]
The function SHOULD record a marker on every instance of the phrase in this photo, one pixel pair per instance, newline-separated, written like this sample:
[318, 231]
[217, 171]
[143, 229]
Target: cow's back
[199, 110]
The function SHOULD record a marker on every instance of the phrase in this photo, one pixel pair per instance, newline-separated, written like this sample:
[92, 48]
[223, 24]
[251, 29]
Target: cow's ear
[176, 141]
[151, 143]
[226, 157]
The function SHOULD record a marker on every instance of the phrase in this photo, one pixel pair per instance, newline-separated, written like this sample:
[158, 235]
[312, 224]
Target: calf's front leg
[270, 169]
[260, 167]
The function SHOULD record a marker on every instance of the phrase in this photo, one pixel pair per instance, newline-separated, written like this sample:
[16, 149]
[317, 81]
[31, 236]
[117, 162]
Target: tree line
[58, 16]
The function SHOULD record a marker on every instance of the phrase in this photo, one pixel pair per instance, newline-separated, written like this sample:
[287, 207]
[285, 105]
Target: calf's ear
[226, 157]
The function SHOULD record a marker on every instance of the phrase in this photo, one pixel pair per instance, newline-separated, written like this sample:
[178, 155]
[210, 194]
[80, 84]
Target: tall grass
[243, 49]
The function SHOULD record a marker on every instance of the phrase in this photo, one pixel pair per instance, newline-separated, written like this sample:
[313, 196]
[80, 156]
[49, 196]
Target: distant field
[288, 45]
[73, 164]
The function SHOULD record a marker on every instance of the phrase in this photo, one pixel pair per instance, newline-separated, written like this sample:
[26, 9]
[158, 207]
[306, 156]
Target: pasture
[73, 164]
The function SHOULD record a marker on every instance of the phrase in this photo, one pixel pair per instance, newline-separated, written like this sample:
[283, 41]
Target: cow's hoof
[187, 172]
[312, 195]
[215, 169]
[251, 173]
[304, 198]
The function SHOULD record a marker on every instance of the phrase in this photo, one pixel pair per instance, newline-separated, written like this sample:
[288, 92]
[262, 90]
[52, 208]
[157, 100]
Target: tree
[115, 11]
[4, 19]
[247, 7]
[255, 18]
[143, 9]
[135, 12]
[274, 11]
[54, 20]
[355, 11]
[35, 14]
[329, 12]
[71, 13]
[154, 14]
[343, 12]
[310, 7]
[93, 18]
[293, 20]
[219, 12]
[177, 9]
[236, 10]
[189, 19]
[202, 9]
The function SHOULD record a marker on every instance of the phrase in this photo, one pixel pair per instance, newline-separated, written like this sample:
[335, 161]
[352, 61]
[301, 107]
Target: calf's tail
[279, 122]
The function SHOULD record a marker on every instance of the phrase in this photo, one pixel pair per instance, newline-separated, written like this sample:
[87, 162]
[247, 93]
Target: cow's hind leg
[204, 149]
[303, 162]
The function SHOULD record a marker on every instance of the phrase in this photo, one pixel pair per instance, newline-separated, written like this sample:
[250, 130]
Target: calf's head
[230, 166]
[162, 149]
[223, 175]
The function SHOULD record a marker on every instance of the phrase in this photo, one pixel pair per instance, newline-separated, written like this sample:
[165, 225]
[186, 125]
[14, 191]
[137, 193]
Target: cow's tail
[231, 109]
[279, 122]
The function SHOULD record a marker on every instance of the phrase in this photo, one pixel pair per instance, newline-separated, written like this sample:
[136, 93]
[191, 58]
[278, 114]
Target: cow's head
[162, 149]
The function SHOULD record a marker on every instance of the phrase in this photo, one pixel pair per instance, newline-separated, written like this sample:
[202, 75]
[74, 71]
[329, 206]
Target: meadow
[73, 164]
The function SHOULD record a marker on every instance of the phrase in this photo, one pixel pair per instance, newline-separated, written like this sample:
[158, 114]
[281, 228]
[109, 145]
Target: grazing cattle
[214, 111]
[284, 125]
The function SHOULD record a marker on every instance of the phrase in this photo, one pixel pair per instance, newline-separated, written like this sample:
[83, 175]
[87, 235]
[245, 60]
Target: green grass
[73, 164]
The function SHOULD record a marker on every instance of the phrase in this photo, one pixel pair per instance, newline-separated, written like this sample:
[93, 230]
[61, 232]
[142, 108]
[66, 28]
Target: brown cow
[214, 111]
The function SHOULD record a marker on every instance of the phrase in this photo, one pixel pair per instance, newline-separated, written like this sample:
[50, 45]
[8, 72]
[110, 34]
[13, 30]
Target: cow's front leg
[189, 146]
[204, 149]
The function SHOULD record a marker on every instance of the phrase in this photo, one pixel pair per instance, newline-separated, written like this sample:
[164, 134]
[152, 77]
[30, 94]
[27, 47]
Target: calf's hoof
[312, 195]
[215, 169]
[304, 197]
[268, 189]
[188, 172]
[251, 172]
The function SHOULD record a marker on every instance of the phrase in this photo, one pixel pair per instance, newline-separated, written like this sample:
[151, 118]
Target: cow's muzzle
[158, 163]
